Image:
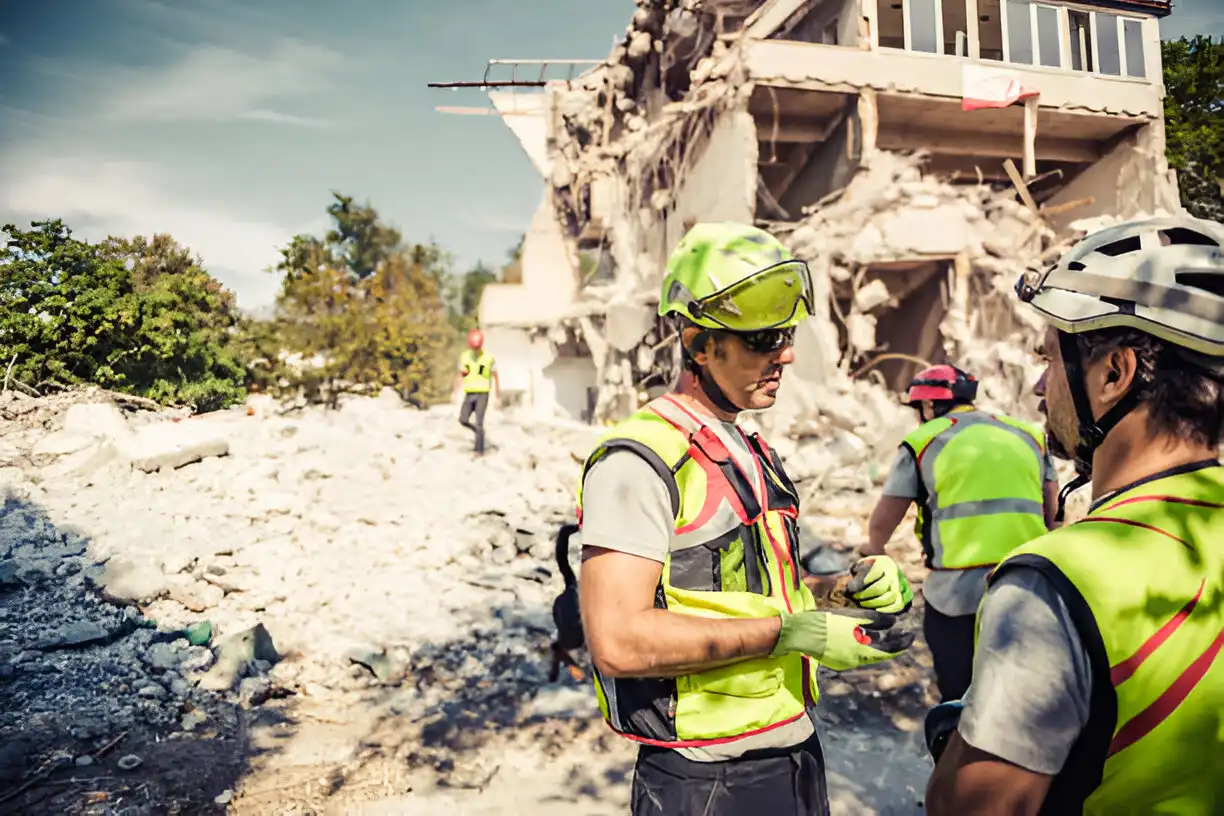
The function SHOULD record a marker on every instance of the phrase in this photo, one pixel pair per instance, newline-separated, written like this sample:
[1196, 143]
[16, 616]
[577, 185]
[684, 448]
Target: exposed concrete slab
[171, 445]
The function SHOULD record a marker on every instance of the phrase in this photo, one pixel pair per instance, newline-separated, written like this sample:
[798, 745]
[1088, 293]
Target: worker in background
[1098, 686]
[984, 484]
[704, 636]
[477, 375]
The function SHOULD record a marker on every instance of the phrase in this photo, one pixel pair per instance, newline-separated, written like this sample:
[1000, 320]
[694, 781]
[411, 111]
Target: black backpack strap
[643, 451]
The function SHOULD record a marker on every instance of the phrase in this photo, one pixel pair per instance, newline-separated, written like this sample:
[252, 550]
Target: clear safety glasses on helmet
[767, 299]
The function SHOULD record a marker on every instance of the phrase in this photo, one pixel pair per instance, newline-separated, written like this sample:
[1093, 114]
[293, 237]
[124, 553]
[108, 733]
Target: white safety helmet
[1163, 276]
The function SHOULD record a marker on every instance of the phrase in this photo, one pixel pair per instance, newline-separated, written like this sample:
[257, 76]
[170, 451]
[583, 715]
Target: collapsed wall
[912, 265]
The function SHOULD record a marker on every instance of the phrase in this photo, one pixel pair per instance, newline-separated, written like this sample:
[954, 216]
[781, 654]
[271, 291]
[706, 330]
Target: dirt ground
[291, 757]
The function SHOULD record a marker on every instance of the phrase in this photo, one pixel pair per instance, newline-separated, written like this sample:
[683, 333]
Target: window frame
[1065, 46]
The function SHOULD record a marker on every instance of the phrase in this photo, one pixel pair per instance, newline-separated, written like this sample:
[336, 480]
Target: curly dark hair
[1183, 400]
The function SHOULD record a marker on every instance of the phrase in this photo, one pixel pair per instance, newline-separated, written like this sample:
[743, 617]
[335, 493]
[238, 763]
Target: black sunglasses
[765, 341]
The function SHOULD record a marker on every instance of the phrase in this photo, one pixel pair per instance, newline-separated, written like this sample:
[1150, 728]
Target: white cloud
[215, 83]
[126, 198]
[276, 117]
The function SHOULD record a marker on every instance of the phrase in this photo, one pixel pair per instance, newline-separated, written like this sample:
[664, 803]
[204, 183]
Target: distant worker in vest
[476, 377]
[1098, 686]
[984, 484]
[704, 636]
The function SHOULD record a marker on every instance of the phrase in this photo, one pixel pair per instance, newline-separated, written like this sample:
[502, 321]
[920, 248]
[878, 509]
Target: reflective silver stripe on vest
[984, 507]
[609, 684]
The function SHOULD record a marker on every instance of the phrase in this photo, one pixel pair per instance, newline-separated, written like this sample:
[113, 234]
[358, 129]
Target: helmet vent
[1076, 266]
[1121, 247]
[1182, 235]
[1212, 282]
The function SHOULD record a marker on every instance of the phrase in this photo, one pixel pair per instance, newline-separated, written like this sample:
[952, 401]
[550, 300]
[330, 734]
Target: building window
[1049, 36]
[1109, 57]
[923, 26]
[1132, 35]
[1081, 40]
[1022, 32]
[1019, 32]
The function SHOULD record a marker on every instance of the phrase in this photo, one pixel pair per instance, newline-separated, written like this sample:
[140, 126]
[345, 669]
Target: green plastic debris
[198, 634]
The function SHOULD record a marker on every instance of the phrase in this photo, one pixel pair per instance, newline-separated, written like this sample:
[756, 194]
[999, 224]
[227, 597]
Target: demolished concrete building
[918, 154]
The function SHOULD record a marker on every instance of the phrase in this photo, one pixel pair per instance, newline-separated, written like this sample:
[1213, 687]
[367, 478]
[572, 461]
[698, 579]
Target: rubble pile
[312, 554]
[354, 567]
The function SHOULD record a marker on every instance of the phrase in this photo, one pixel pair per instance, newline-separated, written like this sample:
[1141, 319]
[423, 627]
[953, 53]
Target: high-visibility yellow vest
[477, 370]
[981, 484]
[735, 554]
[1143, 579]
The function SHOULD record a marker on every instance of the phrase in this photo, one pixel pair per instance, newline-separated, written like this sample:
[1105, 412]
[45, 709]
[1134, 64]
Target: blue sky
[227, 123]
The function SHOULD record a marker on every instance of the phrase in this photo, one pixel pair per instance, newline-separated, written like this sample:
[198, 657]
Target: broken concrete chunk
[870, 295]
[236, 655]
[861, 331]
[59, 443]
[83, 633]
[96, 419]
[171, 445]
[197, 596]
[128, 582]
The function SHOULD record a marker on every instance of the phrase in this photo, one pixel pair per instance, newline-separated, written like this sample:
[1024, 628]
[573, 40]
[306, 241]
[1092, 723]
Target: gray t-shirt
[1032, 679]
[952, 592]
[626, 506]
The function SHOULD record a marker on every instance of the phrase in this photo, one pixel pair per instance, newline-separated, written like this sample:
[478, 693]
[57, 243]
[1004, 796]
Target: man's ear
[1120, 368]
[697, 341]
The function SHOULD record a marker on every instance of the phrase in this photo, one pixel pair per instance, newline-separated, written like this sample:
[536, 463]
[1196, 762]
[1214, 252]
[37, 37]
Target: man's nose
[1039, 388]
[786, 356]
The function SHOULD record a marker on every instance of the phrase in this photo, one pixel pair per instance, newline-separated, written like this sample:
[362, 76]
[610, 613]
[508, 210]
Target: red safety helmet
[942, 382]
[475, 338]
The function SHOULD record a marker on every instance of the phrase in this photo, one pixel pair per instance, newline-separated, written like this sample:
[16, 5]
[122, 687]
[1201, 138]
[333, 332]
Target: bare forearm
[887, 516]
[660, 643]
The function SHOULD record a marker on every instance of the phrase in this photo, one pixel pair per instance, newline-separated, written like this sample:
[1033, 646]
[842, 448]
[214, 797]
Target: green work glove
[878, 583]
[842, 640]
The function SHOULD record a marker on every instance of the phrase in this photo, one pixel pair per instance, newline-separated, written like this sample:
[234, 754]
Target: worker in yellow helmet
[1098, 685]
[704, 635]
[984, 484]
[477, 375]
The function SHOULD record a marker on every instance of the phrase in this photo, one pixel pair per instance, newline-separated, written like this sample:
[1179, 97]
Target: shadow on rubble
[457, 714]
[87, 723]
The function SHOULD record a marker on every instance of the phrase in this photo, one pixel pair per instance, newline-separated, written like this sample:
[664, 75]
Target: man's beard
[1055, 447]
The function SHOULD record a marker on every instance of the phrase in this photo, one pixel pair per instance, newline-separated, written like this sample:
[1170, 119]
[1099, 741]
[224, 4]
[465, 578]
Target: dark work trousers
[475, 404]
[951, 642]
[789, 782]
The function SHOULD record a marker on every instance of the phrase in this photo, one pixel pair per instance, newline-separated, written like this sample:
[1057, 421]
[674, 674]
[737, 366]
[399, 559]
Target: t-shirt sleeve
[626, 507]
[1051, 470]
[902, 481]
[1032, 680]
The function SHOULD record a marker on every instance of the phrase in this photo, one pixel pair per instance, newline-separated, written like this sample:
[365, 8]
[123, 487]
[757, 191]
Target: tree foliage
[139, 316]
[358, 308]
[1194, 121]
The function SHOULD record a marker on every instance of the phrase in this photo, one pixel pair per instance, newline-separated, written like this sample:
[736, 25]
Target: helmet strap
[711, 389]
[721, 401]
[1092, 432]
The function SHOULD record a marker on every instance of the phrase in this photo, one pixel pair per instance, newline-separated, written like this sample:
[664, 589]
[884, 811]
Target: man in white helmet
[1097, 683]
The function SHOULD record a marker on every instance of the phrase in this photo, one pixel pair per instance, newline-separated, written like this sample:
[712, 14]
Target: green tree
[1194, 121]
[358, 237]
[464, 293]
[358, 308]
[512, 272]
[137, 316]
